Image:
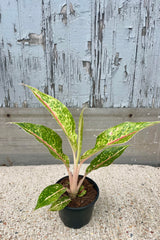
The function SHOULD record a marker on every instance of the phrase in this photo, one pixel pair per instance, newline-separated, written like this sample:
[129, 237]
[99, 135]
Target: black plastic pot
[78, 217]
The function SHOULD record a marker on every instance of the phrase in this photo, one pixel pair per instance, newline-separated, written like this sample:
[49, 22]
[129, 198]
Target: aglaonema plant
[104, 147]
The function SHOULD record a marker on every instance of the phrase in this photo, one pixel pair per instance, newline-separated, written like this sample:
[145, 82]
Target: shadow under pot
[79, 212]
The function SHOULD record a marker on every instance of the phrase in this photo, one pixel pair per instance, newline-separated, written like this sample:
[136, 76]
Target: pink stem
[81, 181]
[70, 176]
[73, 186]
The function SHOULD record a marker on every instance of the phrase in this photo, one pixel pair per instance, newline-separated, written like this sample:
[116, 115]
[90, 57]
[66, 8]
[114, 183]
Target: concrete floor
[128, 206]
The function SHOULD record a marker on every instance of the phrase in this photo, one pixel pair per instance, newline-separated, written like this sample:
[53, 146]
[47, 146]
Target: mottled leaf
[116, 135]
[48, 137]
[49, 195]
[61, 114]
[80, 134]
[60, 204]
[105, 158]
[82, 191]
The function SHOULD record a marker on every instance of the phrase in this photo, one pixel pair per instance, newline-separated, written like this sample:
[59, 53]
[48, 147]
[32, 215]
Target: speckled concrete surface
[128, 206]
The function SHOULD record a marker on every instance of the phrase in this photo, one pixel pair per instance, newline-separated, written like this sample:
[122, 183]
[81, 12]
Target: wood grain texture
[89, 52]
[124, 59]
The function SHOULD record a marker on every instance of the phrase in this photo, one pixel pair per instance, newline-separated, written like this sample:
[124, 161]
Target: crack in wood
[136, 57]
[64, 12]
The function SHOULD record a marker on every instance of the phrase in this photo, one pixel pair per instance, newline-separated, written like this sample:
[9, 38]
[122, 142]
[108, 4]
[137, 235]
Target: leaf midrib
[108, 144]
[97, 166]
[48, 145]
[66, 200]
[54, 194]
[51, 111]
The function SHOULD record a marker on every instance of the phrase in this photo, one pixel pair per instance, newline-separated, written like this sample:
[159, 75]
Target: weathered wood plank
[19, 148]
[125, 39]
[21, 56]
[67, 31]
[100, 53]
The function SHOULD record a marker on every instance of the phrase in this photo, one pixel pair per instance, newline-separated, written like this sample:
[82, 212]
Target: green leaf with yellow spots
[48, 137]
[61, 114]
[118, 134]
[82, 191]
[60, 203]
[105, 158]
[50, 195]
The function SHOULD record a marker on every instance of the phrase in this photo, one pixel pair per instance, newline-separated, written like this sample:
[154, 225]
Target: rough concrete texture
[128, 206]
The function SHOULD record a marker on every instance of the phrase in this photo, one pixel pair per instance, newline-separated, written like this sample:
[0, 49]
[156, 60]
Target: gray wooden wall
[105, 53]
[101, 53]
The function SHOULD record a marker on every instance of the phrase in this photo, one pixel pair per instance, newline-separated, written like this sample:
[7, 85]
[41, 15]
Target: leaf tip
[126, 146]
[23, 84]
[36, 207]
[11, 123]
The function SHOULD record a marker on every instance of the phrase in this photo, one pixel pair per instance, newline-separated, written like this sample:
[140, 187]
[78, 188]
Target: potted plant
[74, 196]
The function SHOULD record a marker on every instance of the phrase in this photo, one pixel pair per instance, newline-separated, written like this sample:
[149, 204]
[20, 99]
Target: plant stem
[70, 176]
[75, 180]
[80, 182]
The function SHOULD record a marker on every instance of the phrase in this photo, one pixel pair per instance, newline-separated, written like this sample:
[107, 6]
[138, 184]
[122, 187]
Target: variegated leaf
[116, 135]
[105, 158]
[80, 134]
[50, 195]
[60, 204]
[82, 191]
[48, 137]
[61, 114]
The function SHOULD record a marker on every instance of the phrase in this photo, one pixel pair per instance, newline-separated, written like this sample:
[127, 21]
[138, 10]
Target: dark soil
[86, 199]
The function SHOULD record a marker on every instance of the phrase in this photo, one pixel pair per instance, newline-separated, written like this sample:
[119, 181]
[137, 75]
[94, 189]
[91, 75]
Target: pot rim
[92, 203]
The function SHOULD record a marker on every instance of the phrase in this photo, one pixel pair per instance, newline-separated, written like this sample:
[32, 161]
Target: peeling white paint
[99, 53]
